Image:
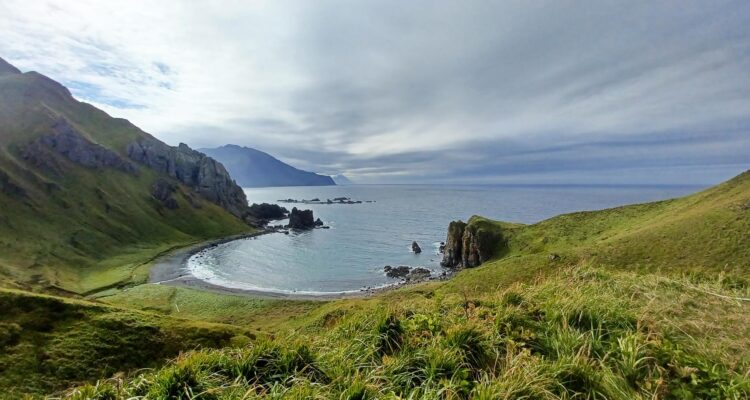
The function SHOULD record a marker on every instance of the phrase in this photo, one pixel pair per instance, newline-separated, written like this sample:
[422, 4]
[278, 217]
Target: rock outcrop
[203, 174]
[162, 191]
[65, 140]
[468, 245]
[301, 219]
[415, 248]
[407, 273]
[266, 211]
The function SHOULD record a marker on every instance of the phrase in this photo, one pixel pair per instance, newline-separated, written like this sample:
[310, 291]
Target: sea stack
[301, 219]
[415, 248]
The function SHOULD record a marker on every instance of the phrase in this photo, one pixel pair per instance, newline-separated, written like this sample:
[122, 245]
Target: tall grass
[527, 342]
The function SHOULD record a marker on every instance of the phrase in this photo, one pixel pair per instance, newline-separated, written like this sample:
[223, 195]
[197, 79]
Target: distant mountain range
[254, 168]
[342, 180]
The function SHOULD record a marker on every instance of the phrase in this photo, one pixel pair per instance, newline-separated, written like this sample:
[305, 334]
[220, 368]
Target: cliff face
[203, 174]
[65, 140]
[469, 245]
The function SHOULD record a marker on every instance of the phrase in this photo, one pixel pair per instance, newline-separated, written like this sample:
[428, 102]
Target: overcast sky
[417, 91]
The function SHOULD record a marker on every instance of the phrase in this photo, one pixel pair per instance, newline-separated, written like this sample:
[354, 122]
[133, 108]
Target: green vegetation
[646, 301]
[585, 305]
[47, 342]
[614, 334]
[67, 228]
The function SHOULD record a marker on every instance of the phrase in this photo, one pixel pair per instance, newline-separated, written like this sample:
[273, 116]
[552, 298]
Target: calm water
[365, 237]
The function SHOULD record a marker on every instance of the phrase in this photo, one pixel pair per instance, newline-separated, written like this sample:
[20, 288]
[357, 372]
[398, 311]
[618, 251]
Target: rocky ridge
[206, 176]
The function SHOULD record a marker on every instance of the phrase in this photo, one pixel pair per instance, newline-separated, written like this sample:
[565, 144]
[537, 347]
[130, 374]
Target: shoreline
[171, 269]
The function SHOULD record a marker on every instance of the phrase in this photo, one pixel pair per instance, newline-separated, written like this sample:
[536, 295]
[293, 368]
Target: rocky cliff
[65, 140]
[203, 174]
[469, 245]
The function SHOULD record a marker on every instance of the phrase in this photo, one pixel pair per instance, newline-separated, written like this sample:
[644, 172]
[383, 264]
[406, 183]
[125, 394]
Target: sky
[602, 92]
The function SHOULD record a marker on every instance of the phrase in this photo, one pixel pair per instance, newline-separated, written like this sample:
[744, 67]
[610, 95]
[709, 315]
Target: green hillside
[68, 227]
[647, 301]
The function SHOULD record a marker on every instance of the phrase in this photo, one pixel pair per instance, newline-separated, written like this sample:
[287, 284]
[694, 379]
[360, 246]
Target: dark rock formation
[301, 219]
[65, 140]
[418, 274]
[162, 191]
[415, 248]
[396, 272]
[468, 245]
[318, 222]
[266, 211]
[407, 273]
[204, 175]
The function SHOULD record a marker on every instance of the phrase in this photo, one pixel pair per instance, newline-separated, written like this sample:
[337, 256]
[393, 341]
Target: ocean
[363, 238]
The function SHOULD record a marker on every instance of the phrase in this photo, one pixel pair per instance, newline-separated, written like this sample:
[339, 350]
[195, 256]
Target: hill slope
[646, 301]
[86, 199]
[254, 168]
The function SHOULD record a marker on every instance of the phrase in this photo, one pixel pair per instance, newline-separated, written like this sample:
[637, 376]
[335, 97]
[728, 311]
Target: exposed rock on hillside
[203, 174]
[468, 245]
[301, 219]
[68, 142]
[162, 191]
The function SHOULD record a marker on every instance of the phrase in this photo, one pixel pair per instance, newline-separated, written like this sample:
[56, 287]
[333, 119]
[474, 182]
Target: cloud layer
[418, 91]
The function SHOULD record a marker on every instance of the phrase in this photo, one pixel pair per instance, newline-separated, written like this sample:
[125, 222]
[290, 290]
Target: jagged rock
[415, 248]
[266, 211]
[65, 140]
[396, 272]
[203, 174]
[301, 219]
[318, 222]
[468, 245]
[441, 250]
[162, 191]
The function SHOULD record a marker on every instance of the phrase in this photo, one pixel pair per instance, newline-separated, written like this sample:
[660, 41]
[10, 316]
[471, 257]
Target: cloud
[418, 91]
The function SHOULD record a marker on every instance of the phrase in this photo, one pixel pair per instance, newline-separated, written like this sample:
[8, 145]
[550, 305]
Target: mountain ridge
[255, 168]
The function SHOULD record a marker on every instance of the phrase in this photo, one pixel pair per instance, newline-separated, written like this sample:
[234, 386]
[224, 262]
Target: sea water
[363, 238]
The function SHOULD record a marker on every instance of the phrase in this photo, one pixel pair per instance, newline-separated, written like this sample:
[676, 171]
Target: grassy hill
[644, 301]
[76, 227]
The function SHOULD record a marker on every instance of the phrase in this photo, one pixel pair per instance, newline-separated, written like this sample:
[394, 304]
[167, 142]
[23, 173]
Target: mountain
[342, 180]
[86, 199]
[254, 168]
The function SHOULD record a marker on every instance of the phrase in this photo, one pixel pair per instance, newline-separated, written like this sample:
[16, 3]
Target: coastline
[171, 269]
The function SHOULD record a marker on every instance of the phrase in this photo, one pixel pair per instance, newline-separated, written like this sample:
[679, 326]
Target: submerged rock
[415, 248]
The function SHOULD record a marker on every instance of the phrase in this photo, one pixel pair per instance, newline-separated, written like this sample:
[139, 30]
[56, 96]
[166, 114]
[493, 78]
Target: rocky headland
[469, 245]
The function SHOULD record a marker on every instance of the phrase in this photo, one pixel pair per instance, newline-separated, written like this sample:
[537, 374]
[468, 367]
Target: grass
[586, 305]
[645, 301]
[47, 342]
[597, 341]
[76, 229]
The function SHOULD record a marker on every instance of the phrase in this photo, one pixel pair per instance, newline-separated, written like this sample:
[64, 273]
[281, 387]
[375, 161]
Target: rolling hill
[254, 168]
[87, 199]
